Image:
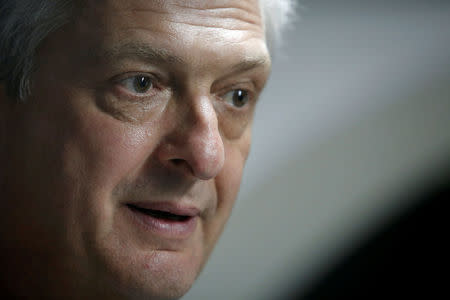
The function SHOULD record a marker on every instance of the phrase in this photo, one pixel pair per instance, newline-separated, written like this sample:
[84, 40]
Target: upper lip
[169, 207]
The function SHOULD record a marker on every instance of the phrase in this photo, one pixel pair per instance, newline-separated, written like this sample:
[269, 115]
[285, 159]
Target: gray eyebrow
[141, 51]
[250, 63]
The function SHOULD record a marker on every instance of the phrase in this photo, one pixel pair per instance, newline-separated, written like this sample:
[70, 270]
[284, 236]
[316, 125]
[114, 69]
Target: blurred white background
[357, 110]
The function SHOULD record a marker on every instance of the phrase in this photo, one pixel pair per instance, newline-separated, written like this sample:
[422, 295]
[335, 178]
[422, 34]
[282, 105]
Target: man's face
[123, 166]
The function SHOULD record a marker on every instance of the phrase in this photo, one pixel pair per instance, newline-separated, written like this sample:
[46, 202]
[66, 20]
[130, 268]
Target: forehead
[224, 28]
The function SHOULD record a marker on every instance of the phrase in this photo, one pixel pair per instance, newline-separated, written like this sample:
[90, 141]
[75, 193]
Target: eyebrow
[250, 63]
[142, 51]
[162, 56]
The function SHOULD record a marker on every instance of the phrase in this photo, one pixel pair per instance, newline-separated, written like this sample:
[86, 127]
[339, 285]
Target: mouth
[159, 214]
[165, 220]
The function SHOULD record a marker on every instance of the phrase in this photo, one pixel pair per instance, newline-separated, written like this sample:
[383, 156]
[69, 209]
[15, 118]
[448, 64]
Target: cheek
[229, 179]
[108, 150]
[102, 152]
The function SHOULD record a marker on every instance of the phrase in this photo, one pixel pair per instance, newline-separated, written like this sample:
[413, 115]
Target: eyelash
[130, 82]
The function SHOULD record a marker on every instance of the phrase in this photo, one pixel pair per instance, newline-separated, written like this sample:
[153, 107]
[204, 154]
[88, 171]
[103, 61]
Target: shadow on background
[404, 258]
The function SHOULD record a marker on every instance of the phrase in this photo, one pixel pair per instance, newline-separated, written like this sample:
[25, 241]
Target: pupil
[142, 83]
[240, 98]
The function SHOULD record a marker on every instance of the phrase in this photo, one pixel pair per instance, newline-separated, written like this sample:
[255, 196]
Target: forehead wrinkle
[251, 7]
[230, 18]
[245, 11]
[226, 12]
[226, 24]
[232, 15]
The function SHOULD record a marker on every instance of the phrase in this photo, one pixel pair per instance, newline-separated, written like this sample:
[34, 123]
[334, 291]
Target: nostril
[181, 165]
[177, 161]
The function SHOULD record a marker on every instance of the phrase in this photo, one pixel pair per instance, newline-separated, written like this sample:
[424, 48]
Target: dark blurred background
[344, 187]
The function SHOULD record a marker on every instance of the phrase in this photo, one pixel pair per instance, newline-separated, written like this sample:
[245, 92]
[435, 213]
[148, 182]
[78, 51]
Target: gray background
[357, 110]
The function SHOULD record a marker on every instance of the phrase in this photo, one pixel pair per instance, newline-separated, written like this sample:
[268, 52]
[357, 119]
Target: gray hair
[24, 24]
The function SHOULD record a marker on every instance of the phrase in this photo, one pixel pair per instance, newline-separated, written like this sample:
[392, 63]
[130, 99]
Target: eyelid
[247, 86]
[117, 81]
[128, 75]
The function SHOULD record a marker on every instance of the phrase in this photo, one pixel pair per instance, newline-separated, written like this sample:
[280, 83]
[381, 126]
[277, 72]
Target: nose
[194, 144]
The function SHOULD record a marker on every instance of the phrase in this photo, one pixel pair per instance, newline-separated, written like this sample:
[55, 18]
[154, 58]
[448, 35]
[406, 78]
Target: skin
[86, 143]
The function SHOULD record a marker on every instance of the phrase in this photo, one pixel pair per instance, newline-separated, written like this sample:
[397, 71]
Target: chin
[155, 274]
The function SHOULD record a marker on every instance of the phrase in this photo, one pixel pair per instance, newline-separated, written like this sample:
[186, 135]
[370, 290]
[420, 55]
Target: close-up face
[123, 164]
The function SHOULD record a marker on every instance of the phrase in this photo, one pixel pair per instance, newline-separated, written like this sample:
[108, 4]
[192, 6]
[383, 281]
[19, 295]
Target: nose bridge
[204, 134]
[196, 139]
[204, 119]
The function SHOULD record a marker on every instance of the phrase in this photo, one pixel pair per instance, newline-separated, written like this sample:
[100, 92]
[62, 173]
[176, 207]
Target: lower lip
[170, 229]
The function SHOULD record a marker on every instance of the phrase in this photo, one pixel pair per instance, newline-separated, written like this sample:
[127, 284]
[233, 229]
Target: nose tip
[207, 156]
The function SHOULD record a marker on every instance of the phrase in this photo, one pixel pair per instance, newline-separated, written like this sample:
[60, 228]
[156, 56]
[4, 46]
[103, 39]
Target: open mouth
[159, 214]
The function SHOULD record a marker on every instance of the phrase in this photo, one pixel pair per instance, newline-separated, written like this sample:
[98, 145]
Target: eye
[236, 98]
[139, 84]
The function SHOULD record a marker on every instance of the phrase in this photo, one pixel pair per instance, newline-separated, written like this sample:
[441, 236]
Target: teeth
[159, 214]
